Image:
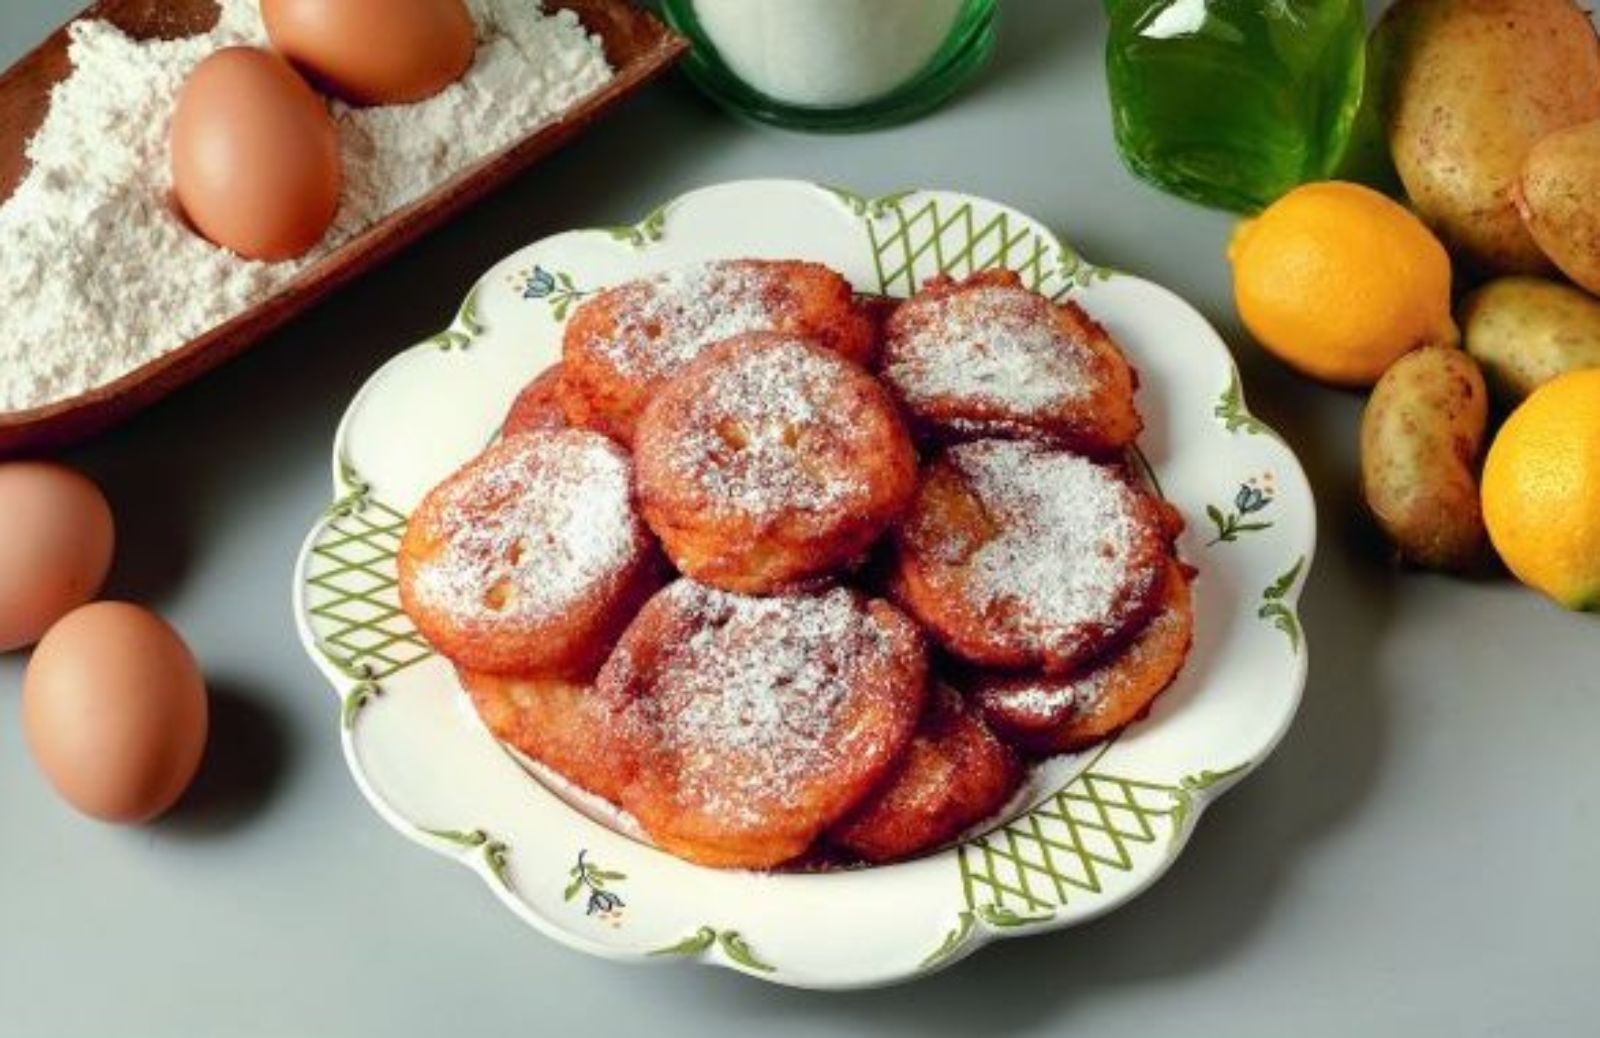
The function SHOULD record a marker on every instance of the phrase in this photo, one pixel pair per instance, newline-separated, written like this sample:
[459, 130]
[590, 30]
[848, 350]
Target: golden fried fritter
[986, 357]
[538, 406]
[758, 722]
[1020, 556]
[621, 345]
[562, 724]
[531, 558]
[954, 774]
[1055, 715]
[770, 462]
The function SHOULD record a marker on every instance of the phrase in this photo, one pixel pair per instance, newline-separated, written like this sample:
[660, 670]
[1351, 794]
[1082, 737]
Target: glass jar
[833, 64]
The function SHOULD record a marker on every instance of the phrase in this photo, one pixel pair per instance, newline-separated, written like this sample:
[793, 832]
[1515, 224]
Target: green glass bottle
[1233, 102]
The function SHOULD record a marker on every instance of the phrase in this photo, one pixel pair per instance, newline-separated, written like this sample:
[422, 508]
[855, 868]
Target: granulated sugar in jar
[833, 64]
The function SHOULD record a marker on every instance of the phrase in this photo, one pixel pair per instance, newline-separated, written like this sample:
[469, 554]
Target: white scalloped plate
[1093, 830]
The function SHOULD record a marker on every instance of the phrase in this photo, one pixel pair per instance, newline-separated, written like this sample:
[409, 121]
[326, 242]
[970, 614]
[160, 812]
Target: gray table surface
[1418, 858]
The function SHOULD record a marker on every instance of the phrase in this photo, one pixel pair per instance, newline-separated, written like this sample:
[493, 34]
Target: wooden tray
[638, 47]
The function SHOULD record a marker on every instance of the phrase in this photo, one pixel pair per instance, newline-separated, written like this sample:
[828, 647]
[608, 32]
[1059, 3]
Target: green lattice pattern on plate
[351, 590]
[914, 238]
[1065, 846]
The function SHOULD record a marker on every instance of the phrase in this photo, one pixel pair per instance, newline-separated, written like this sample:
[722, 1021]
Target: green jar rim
[965, 50]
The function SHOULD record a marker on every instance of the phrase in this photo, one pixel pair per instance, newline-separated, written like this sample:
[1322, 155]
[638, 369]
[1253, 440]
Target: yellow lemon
[1338, 281]
[1541, 490]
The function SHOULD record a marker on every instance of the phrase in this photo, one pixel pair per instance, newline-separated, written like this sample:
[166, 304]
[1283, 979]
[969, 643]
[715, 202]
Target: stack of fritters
[778, 573]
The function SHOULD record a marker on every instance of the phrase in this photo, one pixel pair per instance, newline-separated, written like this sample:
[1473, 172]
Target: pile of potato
[1492, 112]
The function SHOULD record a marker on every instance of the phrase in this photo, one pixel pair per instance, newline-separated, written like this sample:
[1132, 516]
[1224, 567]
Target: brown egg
[56, 538]
[255, 155]
[114, 710]
[374, 52]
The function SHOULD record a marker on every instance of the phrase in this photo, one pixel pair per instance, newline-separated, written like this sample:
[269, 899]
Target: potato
[1558, 198]
[1466, 87]
[1524, 331]
[1421, 437]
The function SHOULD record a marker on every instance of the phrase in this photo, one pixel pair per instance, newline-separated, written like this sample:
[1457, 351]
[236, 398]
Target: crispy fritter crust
[538, 406]
[560, 723]
[1054, 715]
[954, 774]
[759, 722]
[986, 357]
[621, 345]
[770, 463]
[985, 562]
[531, 558]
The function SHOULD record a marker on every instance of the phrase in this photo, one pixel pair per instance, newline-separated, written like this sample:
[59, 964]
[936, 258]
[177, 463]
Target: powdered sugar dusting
[1044, 702]
[536, 525]
[760, 696]
[1064, 550]
[744, 439]
[669, 318]
[997, 345]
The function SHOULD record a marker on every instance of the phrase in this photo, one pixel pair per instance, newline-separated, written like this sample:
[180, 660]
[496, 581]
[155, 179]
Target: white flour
[96, 275]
